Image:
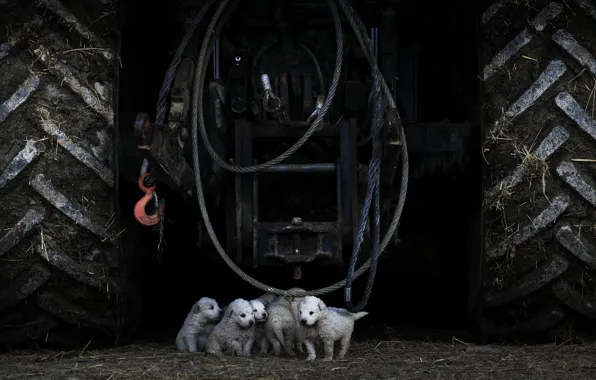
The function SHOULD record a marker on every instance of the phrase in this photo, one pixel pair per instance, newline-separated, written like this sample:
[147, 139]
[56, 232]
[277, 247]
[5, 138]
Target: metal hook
[140, 213]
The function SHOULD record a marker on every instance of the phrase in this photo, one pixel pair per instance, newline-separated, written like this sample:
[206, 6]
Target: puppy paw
[327, 359]
[311, 358]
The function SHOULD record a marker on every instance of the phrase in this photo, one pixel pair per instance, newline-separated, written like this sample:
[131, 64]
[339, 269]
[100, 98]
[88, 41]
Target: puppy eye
[211, 307]
[312, 312]
[242, 315]
[254, 311]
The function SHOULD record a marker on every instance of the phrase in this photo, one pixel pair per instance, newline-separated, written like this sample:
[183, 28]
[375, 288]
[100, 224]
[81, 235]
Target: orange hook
[140, 214]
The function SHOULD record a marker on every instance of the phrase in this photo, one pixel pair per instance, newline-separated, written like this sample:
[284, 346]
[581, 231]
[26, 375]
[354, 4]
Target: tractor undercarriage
[268, 80]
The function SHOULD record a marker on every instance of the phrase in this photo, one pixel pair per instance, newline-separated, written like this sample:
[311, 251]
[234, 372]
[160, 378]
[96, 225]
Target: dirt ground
[366, 360]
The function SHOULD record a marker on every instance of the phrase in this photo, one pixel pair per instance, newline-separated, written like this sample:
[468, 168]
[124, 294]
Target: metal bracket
[392, 148]
[298, 242]
[162, 146]
[287, 241]
[180, 95]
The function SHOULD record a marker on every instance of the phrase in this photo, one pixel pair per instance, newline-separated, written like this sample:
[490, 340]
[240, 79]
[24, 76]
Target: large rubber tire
[538, 78]
[59, 267]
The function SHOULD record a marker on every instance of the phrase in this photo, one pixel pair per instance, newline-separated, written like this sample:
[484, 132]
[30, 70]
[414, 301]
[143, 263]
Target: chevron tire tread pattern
[59, 264]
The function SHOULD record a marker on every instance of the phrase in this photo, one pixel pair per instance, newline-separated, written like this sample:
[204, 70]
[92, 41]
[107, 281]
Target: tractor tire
[538, 70]
[60, 278]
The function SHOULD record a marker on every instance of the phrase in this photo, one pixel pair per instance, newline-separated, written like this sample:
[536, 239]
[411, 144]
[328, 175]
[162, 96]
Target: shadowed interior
[422, 286]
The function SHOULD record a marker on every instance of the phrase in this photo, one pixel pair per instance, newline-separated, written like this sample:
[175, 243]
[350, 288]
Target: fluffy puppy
[234, 334]
[294, 302]
[203, 335]
[201, 315]
[280, 327]
[261, 343]
[331, 324]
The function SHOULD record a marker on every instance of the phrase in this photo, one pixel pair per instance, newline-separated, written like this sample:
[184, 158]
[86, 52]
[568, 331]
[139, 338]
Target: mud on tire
[539, 71]
[59, 268]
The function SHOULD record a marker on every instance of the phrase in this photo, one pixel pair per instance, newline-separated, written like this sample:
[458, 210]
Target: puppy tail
[279, 335]
[357, 316]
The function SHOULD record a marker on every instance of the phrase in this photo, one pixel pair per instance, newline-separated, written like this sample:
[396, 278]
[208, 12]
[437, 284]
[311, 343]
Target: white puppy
[294, 302]
[280, 327]
[331, 324]
[203, 335]
[203, 313]
[261, 315]
[234, 334]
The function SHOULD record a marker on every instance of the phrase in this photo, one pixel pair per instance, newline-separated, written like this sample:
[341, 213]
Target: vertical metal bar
[374, 36]
[353, 170]
[301, 168]
[340, 229]
[345, 152]
[307, 99]
[216, 59]
[246, 184]
[255, 217]
[237, 185]
[238, 156]
[284, 95]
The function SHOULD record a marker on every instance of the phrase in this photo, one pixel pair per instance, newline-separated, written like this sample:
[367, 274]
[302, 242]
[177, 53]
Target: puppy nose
[251, 322]
[303, 321]
[264, 315]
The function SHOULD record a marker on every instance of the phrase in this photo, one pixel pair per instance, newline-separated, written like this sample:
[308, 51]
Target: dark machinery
[258, 101]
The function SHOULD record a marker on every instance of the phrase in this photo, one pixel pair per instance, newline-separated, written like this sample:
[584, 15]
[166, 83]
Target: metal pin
[216, 59]
[319, 106]
[265, 82]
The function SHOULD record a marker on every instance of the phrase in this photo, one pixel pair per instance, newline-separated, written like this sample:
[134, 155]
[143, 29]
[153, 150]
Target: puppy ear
[196, 308]
[231, 312]
[321, 306]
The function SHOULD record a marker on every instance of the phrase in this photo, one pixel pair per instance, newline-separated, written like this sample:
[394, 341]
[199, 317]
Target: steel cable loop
[166, 87]
[197, 175]
[374, 180]
[315, 62]
[391, 230]
[360, 32]
[198, 104]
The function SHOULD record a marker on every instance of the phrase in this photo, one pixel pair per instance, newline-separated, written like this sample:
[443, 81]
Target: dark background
[423, 286]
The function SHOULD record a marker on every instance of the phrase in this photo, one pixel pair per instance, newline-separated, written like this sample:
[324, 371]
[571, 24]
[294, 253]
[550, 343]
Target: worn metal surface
[299, 242]
[293, 129]
[162, 146]
[349, 175]
[392, 146]
[244, 197]
[313, 240]
[301, 168]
